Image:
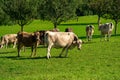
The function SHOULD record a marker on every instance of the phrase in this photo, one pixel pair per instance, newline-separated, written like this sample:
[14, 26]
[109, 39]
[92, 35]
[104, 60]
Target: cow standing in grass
[8, 39]
[106, 30]
[89, 32]
[65, 40]
[28, 40]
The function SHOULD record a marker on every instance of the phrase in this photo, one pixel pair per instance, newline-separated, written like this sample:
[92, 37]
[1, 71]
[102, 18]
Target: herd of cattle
[52, 38]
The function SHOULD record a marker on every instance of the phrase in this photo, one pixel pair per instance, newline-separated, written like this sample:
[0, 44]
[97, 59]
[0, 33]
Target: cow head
[37, 36]
[79, 44]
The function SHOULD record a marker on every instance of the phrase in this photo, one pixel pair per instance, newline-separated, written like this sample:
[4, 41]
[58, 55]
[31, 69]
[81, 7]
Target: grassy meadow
[95, 61]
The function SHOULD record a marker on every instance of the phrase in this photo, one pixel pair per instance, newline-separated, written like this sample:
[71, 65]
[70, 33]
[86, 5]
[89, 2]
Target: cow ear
[75, 38]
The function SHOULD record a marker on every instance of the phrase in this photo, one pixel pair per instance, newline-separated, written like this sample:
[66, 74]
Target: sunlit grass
[96, 61]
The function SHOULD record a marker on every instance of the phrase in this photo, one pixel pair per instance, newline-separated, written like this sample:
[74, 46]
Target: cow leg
[14, 45]
[18, 48]
[32, 51]
[66, 52]
[90, 37]
[105, 37]
[87, 38]
[6, 45]
[48, 51]
[35, 49]
[62, 51]
[108, 37]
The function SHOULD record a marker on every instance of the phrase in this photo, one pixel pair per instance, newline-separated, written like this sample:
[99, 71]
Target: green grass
[96, 61]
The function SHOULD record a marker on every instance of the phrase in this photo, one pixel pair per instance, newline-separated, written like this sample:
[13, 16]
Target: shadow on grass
[24, 58]
[30, 58]
[73, 24]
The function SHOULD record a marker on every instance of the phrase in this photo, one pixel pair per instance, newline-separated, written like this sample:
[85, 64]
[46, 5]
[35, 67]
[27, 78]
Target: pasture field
[95, 61]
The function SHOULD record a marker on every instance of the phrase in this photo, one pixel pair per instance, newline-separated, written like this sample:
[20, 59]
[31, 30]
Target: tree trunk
[21, 28]
[55, 25]
[116, 23]
[98, 20]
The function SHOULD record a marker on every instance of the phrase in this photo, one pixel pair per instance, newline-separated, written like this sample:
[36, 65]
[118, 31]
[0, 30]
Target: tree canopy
[57, 11]
[24, 11]
[113, 12]
[20, 11]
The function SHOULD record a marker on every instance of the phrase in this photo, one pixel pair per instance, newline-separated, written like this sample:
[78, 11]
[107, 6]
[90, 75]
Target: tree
[98, 7]
[83, 8]
[113, 12]
[20, 11]
[57, 11]
[4, 18]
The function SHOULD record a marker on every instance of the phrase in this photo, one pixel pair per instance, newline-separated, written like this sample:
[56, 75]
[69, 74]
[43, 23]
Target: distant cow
[106, 30]
[8, 39]
[28, 40]
[89, 32]
[55, 30]
[65, 40]
[68, 30]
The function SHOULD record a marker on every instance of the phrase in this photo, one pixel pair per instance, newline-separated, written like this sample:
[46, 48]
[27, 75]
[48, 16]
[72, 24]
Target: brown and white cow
[106, 30]
[65, 40]
[8, 39]
[28, 40]
[89, 32]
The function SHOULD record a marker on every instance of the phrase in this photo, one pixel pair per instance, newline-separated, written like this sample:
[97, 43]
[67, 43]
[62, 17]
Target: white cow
[89, 32]
[65, 40]
[8, 39]
[106, 30]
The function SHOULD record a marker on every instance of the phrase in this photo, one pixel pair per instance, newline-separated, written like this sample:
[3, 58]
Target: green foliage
[113, 12]
[83, 8]
[4, 18]
[57, 11]
[21, 11]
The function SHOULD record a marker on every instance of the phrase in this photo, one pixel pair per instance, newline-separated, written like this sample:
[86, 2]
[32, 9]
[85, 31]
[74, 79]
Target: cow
[55, 30]
[68, 30]
[8, 39]
[89, 32]
[106, 30]
[28, 40]
[65, 40]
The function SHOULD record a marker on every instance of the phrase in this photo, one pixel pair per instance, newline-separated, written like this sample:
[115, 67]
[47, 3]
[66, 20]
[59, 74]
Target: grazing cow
[65, 40]
[68, 30]
[89, 32]
[28, 40]
[106, 30]
[8, 39]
